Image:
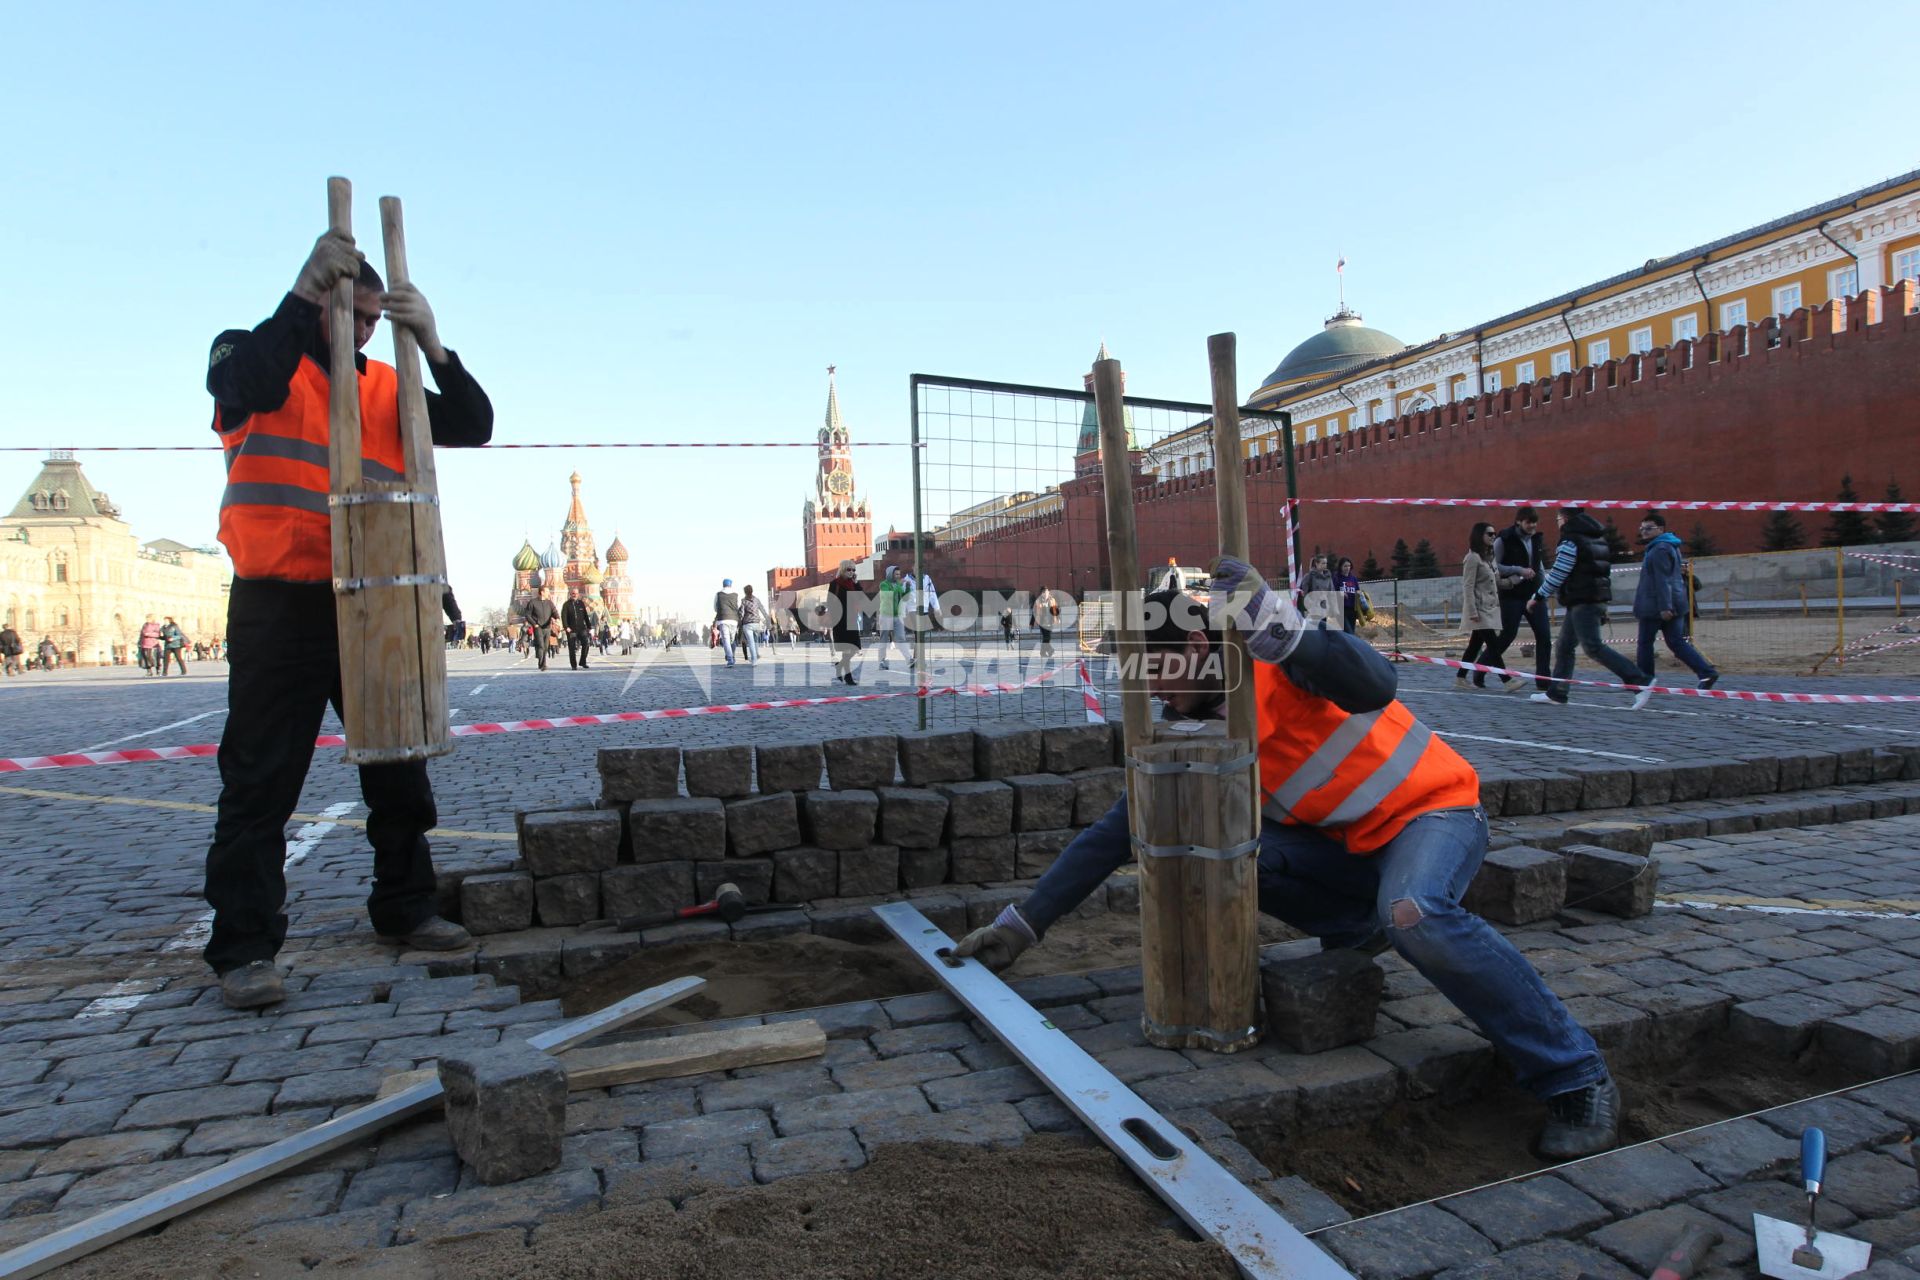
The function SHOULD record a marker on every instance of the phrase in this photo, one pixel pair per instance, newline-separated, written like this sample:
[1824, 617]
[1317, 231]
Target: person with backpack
[1582, 574]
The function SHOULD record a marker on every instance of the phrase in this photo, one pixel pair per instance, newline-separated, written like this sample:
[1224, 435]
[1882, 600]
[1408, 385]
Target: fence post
[917, 660]
[1726, 602]
[1396, 615]
[1840, 602]
[1803, 600]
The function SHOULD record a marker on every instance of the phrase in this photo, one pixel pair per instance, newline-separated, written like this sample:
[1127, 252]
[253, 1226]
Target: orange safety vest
[1361, 778]
[273, 516]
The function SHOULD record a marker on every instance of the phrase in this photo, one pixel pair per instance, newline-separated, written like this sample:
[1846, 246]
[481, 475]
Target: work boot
[434, 934]
[1581, 1122]
[252, 986]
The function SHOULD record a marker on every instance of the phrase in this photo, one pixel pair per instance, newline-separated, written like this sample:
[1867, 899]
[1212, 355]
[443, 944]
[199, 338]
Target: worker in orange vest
[1372, 830]
[270, 390]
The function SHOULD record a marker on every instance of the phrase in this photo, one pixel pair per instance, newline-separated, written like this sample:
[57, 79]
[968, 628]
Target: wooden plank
[429, 548]
[1230, 505]
[690, 1054]
[343, 434]
[102, 1229]
[604, 1066]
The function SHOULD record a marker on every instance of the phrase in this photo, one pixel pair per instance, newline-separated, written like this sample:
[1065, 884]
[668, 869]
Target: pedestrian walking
[842, 626]
[1006, 626]
[726, 617]
[892, 607]
[753, 616]
[1660, 601]
[1582, 574]
[1349, 587]
[540, 615]
[11, 647]
[173, 646]
[150, 646]
[49, 654]
[270, 388]
[1317, 597]
[1046, 616]
[1519, 559]
[1479, 601]
[578, 622]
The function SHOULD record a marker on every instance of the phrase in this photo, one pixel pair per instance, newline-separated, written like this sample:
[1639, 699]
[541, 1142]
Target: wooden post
[387, 583]
[1230, 504]
[1123, 557]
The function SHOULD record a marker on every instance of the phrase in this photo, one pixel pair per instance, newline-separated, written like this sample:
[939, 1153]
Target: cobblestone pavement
[122, 1072]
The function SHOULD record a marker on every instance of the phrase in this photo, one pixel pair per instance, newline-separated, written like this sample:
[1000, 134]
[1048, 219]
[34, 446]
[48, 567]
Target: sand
[1052, 1208]
[1415, 1151]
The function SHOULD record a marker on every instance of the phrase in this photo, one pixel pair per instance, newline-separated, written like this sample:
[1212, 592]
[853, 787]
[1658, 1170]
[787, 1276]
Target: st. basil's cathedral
[572, 562]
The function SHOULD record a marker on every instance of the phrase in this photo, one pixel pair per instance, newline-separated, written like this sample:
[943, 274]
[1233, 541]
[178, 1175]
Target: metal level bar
[1264, 1245]
[90, 1234]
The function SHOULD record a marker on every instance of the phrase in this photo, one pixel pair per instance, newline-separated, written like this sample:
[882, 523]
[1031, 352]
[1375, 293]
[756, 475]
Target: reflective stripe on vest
[274, 519]
[258, 444]
[1359, 777]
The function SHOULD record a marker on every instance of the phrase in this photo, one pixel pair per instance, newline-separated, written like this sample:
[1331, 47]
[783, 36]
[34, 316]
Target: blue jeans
[727, 630]
[1315, 885]
[1674, 632]
[749, 643]
[1580, 629]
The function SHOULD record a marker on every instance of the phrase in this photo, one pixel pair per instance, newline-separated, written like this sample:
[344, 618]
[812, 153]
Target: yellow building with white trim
[1350, 376]
[71, 571]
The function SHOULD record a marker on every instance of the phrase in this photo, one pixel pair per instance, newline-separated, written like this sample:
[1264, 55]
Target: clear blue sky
[662, 223]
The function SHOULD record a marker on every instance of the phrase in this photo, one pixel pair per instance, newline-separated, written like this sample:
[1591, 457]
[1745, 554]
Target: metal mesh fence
[1014, 578]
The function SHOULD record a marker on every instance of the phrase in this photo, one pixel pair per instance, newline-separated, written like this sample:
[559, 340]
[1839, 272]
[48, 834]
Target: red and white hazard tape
[1090, 697]
[541, 444]
[1729, 695]
[1868, 653]
[1896, 560]
[146, 755]
[1622, 504]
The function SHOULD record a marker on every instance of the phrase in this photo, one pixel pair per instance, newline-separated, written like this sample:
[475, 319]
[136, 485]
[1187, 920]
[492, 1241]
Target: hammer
[728, 903]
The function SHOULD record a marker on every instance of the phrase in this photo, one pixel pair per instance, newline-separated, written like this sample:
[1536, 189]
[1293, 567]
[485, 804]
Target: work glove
[1266, 618]
[999, 944]
[407, 306]
[333, 258]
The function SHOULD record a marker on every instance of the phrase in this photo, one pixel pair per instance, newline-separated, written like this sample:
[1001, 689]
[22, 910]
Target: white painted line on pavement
[477, 690]
[147, 733]
[1551, 746]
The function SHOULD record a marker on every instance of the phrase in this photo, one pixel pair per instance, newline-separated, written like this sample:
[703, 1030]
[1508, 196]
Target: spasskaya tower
[835, 520]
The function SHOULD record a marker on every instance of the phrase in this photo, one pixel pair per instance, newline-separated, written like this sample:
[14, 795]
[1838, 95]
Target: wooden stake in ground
[243, 1171]
[389, 565]
[1230, 503]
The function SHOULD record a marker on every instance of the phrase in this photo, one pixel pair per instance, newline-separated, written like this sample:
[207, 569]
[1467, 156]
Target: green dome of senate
[1344, 344]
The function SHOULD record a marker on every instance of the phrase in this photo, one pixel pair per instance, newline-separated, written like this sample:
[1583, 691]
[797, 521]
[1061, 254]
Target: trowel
[1790, 1252]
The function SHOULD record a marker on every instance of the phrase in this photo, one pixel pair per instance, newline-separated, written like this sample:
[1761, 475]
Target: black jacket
[575, 617]
[540, 613]
[1516, 549]
[1591, 579]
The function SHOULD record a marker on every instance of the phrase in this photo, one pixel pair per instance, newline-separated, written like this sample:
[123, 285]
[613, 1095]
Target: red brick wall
[1731, 418]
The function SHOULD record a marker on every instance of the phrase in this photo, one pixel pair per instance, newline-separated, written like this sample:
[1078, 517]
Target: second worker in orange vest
[270, 388]
[1372, 831]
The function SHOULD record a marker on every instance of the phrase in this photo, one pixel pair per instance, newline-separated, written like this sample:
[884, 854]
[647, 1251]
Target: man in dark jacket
[1582, 573]
[726, 616]
[539, 614]
[1660, 601]
[1518, 555]
[578, 620]
[11, 647]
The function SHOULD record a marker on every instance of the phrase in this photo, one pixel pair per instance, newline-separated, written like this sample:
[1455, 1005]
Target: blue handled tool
[1789, 1252]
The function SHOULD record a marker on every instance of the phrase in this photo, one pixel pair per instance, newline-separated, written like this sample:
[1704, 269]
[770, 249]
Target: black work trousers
[579, 644]
[283, 669]
[1512, 610]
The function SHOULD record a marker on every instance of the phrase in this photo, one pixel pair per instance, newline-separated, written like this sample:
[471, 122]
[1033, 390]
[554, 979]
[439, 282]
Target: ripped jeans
[1411, 888]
